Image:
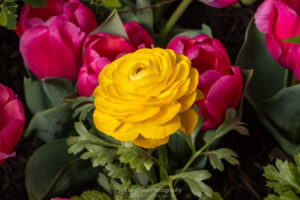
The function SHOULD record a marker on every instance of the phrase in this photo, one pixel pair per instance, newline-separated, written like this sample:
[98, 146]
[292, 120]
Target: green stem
[161, 167]
[162, 159]
[173, 19]
[152, 176]
[173, 195]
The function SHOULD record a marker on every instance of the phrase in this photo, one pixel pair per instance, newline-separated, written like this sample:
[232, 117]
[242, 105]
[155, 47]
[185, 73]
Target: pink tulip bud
[279, 20]
[52, 37]
[221, 83]
[219, 3]
[12, 121]
[103, 48]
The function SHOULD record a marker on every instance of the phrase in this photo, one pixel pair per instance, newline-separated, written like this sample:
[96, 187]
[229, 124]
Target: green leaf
[195, 181]
[51, 124]
[56, 89]
[247, 76]
[135, 156]
[283, 111]
[51, 170]
[145, 16]
[36, 98]
[92, 195]
[97, 149]
[36, 3]
[104, 182]
[11, 21]
[117, 171]
[147, 193]
[3, 18]
[113, 25]
[111, 3]
[283, 178]
[293, 39]
[216, 156]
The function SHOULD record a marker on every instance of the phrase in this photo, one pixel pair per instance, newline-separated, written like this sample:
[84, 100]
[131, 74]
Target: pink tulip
[103, 48]
[279, 20]
[12, 121]
[52, 37]
[221, 83]
[219, 3]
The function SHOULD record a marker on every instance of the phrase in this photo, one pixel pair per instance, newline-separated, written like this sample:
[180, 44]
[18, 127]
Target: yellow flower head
[145, 96]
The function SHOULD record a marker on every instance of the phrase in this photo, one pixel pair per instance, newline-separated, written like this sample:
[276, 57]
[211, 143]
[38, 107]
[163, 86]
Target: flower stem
[173, 19]
[162, 159]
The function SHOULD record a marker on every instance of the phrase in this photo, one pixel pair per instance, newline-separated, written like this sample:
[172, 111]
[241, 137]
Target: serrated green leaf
[36, 3]
[195, 181]
[117, 171]
[91, 195]
[3, 18]
[111, 3]
[11, 21]
[135, 156]
[216, 156]
[147, 193]
[104, 182]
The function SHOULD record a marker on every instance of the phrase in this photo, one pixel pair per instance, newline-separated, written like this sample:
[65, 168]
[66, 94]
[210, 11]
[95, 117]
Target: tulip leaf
[36, 98]
[283, 111]
[51, 170]
[3, 18]
[293, 39]
[36, 3]
[145, 16]
[268, 79]
[113, 25]
[51, 124]
[111, 3]
[56, 89]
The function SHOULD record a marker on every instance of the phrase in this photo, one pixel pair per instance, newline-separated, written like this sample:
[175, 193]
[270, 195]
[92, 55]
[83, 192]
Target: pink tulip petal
[53, 49]
[219, 3]
[4, 95]
[181, 44]
[225, 93]
[138, 36]
[265, 15]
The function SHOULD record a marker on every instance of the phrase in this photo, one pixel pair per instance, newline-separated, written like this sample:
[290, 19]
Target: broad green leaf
[56, 89]
[92, 195]
[293, 39]
[145, 17]
[113, 25]
[51, 124]
[36, 3]
[247, 76]
[135, 156]
[36, 98]
[51, 170]
[268, 77]
[3, 18]
[195, 181]
[127, 13]
[283, 111]
[216, 156]
[111, 3]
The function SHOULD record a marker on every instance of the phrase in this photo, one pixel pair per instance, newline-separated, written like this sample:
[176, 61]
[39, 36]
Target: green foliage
[284, 179]
[81, 106]
[58, 170]
[111, 3]
[295, 40]
[36, 3]
[267, 91]
[8, 10]
[136, 157]
[216, 156]
[100, 152]
[91, 195]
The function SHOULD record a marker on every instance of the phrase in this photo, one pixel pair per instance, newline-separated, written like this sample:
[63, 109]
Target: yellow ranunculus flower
[145, 96]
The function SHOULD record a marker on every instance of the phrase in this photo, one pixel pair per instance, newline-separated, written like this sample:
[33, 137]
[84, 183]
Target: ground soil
[243, 182]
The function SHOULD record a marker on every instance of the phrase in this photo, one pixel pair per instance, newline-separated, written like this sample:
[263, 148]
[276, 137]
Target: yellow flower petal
[149, 143]
[165, 114]
[126, 132]
[152, 131]
[187, 101]
[189, 120]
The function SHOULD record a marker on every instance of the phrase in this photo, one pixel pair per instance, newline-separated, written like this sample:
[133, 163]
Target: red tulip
[52, 37]
[221, 83]
[219, 3]
[12, 121]
[103, 48]
[279, 20]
